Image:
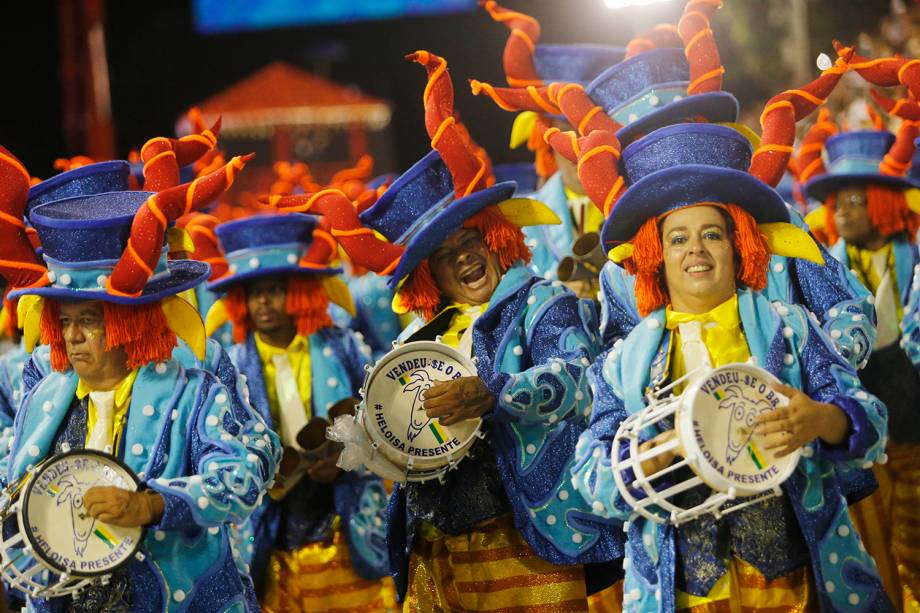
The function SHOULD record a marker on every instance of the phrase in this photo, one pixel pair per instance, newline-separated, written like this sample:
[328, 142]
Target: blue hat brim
[821, 187]
[225, 283]
[183, 275]
[446, 223]
[715, 107]
[681, 186]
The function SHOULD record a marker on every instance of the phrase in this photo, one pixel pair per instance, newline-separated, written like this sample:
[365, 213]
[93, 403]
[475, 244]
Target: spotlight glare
[620, 4]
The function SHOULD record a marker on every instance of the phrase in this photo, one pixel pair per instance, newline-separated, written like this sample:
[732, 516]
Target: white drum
[59, 549]
[714, 423]
[391, 410]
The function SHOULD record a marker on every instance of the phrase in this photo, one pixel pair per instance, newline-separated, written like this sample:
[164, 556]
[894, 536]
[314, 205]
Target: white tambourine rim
[702, 468]
[426, 469]
[24, 513]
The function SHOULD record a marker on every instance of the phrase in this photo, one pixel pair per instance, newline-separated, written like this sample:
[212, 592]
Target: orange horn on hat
[706, 68]
[518, 56]
[780, 116]
[808, 161]
[878, 122]
[661, 36]
[902, 107]
[899, 156]
[468, 165]
[324, 247]
[20, 266]
[361, 244]
[200, 227]
[163, 156]
[598, 157]
[580, 110]
[887, 71]
[515, 99]
[136, 264]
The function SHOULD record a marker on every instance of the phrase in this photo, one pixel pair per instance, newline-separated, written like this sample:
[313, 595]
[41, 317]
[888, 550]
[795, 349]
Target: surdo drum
[392, 413]
[51, 545]
[714, 421]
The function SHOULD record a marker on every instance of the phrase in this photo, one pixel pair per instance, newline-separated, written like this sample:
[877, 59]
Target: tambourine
[58, 548]
[714, 421]
[413, 446]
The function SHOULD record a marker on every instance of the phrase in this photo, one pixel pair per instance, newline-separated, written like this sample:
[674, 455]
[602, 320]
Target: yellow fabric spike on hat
[913, 199]
[29, 313]
[528, 212]
[521, 128]
[620, 253]
[791, 241]
[184, 320]
[179, 240]
[817, 219]
[339, 294]
[744, 131]
[216, 317]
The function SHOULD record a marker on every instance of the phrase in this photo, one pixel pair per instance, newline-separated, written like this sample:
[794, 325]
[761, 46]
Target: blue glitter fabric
[548, 244]
[574, 63]
[853, 158]
[534, 345]
[524, 174]
[12, 365]
[306, 514]
[784, 340]
[96, 178]
[208, 460]
[701, 163]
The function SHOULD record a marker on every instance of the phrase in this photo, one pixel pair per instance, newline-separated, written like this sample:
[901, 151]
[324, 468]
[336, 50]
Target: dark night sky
[159, 66]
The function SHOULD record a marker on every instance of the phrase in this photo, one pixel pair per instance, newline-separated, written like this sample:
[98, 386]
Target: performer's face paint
[851, 216]
[699, 260]
[83, 328]
[265, 300]
[464, 268]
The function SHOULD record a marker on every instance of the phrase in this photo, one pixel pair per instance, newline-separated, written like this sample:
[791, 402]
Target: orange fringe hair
[647, 261]
[420, 293]
[141, 330]
[888, 212]
[306, 302]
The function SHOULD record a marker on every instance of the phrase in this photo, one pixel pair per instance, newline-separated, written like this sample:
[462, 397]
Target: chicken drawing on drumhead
[741, 423]
[419, 382]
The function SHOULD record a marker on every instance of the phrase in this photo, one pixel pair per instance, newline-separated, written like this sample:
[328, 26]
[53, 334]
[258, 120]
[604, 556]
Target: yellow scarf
[298, 353]
[463, 318]
[122, 403]
[720, 331]
[863, 264]
[586, 217]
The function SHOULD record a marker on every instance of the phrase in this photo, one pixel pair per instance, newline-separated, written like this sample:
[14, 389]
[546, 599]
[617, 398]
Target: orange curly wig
[142, 330]
[647, 261]
[306, 302]
[888, 212]
[420, 293]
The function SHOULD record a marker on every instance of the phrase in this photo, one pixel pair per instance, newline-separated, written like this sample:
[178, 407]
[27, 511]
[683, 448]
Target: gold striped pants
[744, 590]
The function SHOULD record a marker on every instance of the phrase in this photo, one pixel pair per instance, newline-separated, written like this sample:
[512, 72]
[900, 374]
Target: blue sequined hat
[266, 246]
[569, 63]
[84, 237]
[95, 178]
[419, 210]
[687, 164]
[853, 158]
[649, 90]
[522, 173]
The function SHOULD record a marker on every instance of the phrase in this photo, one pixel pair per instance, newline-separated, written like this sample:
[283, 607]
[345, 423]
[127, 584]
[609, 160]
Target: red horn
[518, 57]
[580, 110]
[163, 156]
[20, 266]
[706, 68]
[598, 157]
[463, 157]
[780, 116]
[136, 264]
[528, 98]
[324, 247]
[200, 228]
[886, 71]
[898, 159]
[902, 107]
[808, 162]
[661, 36]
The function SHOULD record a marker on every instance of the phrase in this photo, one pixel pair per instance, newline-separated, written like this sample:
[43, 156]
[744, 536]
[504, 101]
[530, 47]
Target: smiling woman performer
[496, 533]
[691, 221]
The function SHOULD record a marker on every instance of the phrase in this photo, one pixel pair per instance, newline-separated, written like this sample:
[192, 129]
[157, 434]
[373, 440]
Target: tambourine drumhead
[393, 413]
[715, 423]
[57, 525]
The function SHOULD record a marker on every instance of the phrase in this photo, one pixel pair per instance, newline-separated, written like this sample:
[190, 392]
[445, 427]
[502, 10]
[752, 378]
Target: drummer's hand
[664, 460]
[120, 507]
[801, 421]
[325, 470]
[457, 400]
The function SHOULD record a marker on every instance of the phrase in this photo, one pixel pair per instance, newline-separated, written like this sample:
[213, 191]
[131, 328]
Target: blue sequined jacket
[843, 306]
[533, 345]
[307, 513]
[208, 456]
[12, 363]
[786, 341]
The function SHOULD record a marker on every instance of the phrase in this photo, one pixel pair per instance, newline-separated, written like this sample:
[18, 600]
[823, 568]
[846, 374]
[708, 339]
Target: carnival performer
[873, 231]
[656, 86]
[506, 517]
[104, 305]
[698, 228]
[317, 543]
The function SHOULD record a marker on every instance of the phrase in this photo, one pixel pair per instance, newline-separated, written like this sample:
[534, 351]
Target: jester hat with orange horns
[109, 247]
[450, 188]
[695, 164]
